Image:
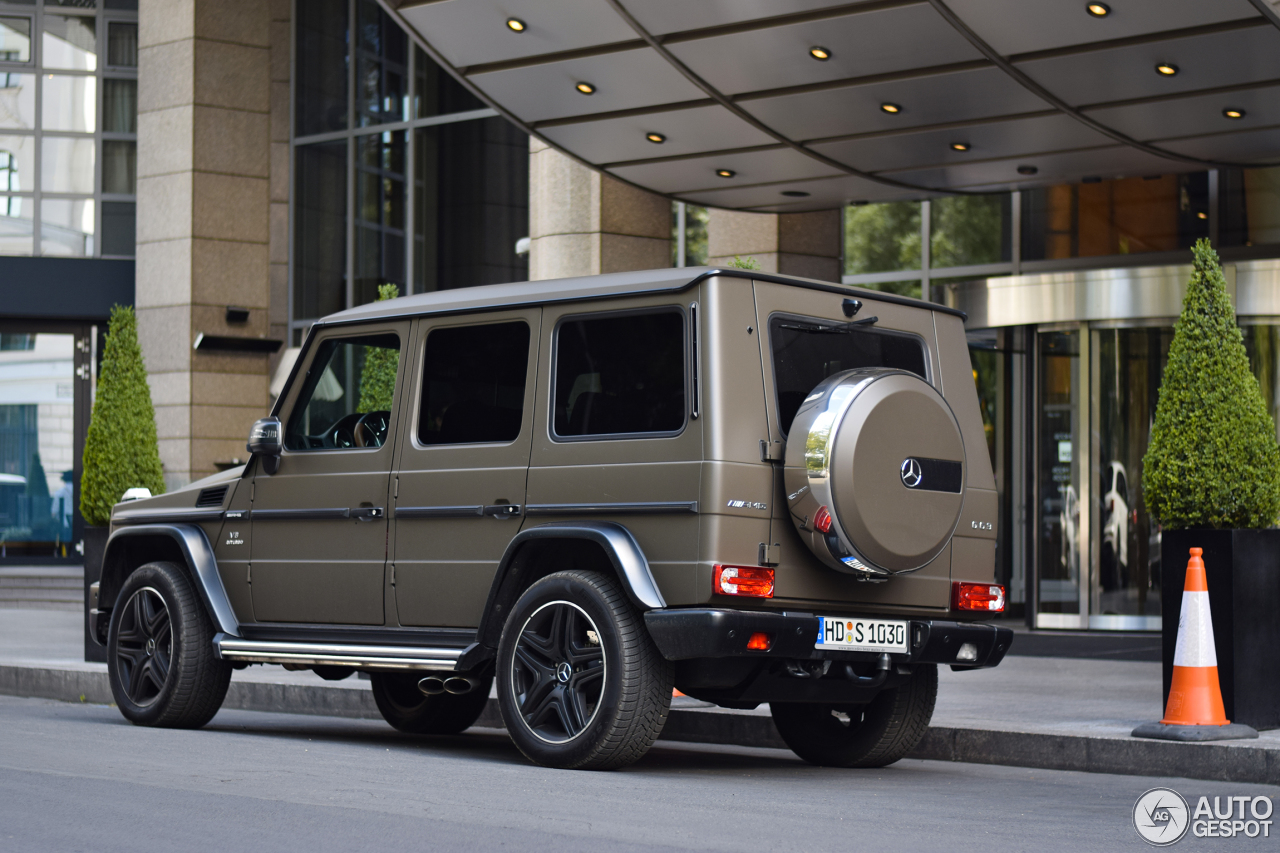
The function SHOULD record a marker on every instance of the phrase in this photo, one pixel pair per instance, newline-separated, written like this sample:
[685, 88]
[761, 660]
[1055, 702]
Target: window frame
[315, 345]
[686, 374]
[827, 321]
[420, 384]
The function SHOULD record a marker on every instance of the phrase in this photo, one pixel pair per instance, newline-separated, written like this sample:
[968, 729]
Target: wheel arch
[183, 544]
[539, 551]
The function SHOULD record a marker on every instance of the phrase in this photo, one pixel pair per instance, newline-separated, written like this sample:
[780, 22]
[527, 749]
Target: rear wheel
[410, 710]
[160, 659]
[872, 735]
[580, 682]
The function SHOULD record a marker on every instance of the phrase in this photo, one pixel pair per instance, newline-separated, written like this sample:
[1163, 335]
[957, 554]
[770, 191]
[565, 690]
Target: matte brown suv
[751, 488]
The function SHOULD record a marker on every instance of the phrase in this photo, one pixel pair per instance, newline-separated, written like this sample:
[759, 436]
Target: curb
[1132, 757]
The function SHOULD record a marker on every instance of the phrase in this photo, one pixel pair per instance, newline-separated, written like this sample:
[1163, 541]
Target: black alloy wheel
[580, 682]
[558, 671]
[160, 659]
[144, 646]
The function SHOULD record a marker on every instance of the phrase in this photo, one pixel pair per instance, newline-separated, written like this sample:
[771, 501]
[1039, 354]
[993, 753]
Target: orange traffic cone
[1195, 698]
[1195, 711]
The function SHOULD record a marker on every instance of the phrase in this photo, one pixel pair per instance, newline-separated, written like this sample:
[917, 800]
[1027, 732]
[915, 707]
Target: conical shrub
[1213, 461]
[378, 375]
[120, 449]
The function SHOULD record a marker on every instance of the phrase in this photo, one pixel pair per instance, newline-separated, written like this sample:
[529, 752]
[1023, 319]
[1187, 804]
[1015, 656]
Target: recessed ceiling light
[655, 138]
[960, 146]
[1098, 10]
[1202, 215]
[726, 173]
[889, 108]
[586, 88]
[820, 53]
[515, 25]
[1232, 112]
[1027, 170]
[1166, 69]
[795, 193]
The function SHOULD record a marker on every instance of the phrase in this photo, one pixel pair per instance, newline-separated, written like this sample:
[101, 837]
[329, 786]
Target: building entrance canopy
[807, 104]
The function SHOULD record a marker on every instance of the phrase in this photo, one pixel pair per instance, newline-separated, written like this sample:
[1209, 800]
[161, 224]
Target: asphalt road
[78, 777]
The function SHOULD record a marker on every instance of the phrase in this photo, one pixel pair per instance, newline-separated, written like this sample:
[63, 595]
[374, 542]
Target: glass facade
[68, 129]
[400, 175]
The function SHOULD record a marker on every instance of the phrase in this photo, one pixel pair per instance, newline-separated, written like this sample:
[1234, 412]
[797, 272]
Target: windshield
[807, 351]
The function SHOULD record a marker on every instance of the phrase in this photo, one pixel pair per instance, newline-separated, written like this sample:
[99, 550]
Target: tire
[872, 735]
[410, 710]
[160, 659]
[573, 701]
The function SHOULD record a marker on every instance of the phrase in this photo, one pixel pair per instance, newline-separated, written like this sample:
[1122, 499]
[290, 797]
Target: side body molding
[195, 547]
[623, 550]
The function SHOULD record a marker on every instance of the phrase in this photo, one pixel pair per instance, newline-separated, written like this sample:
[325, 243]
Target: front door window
[346, 402]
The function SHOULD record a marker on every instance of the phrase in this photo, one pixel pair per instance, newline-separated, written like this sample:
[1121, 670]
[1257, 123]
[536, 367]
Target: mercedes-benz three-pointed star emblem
[911, 473]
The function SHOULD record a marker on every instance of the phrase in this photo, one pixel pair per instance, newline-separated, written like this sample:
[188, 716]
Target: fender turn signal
[753, 581]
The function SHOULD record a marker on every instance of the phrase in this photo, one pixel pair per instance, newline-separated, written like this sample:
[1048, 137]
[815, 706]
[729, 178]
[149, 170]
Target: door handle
[366, 513]
[503, 510]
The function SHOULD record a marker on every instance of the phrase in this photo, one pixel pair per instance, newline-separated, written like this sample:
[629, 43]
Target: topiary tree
[120, 449]
[1213, 460]
[378, 375]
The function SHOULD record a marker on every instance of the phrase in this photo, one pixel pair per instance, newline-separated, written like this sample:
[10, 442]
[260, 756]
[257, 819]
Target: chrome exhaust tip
[457, 685]
[432, 685]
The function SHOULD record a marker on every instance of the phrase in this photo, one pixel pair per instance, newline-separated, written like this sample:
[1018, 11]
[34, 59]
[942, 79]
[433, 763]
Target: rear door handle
[366, 513]
[503, 510]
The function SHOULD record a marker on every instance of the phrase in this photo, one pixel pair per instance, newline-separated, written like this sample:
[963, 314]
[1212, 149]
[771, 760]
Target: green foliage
[695, 235]
[378, 375]
[882, 237]
[747, 263]
[1213, 460]
[120, 450]
[966, 230]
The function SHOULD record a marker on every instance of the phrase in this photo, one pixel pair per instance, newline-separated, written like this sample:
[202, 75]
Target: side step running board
[375, 657]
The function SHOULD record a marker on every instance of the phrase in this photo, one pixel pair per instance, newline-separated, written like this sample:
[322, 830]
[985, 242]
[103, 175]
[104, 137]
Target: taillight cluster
[985, 597]
[822, 520]
[752, 581]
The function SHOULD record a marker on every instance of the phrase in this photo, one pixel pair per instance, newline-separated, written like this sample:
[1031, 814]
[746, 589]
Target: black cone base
[1231, 731]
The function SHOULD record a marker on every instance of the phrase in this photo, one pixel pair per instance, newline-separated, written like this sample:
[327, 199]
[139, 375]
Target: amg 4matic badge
[747, 505]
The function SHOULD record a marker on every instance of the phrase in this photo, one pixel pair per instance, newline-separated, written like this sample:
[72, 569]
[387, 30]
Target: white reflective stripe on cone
[1195, 632]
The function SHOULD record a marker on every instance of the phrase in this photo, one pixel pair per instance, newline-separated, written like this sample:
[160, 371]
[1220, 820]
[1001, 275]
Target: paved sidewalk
[1055, 713]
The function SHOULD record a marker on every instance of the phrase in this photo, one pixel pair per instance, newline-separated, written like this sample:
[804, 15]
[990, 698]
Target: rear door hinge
[772, 451]
[769, 554]
[393, 574]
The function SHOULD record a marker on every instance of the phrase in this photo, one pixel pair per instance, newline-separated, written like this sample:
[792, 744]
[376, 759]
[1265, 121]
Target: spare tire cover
[880, 450]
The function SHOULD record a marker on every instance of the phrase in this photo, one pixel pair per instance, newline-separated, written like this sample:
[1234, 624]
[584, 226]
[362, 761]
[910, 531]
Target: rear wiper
[839, 328]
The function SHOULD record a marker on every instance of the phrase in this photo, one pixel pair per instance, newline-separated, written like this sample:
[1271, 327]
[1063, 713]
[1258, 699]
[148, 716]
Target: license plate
[861, 635]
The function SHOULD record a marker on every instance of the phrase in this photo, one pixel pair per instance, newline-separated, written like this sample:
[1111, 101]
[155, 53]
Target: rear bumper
[686, 634]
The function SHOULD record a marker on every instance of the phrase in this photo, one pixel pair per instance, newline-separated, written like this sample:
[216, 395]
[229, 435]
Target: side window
[620, 375]
[805, 353]
[347, 395]
[473, 384]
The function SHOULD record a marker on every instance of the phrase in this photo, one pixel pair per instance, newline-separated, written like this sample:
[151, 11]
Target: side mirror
[266, 440]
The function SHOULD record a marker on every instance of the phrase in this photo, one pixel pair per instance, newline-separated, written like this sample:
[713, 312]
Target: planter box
[1243, 571]
[95, 543]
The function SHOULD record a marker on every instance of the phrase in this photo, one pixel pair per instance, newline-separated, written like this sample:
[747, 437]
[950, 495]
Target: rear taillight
[822, 520]
[984, 597]
[754, 581]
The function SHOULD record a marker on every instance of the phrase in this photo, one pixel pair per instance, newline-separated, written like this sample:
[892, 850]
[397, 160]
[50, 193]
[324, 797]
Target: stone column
[582, 222]
[802, 244]
[204, 94]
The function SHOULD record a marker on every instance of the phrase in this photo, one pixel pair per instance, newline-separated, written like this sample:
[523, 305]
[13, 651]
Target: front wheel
[872, 735]
[160, 659]
[580, 682]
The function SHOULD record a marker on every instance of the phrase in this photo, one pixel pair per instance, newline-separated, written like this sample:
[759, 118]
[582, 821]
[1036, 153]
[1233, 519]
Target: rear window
[473, 384]
[804, 355]
[619, 375]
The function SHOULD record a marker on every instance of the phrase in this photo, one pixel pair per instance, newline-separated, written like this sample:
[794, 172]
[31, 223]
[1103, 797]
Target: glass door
[43, 403]
[1124, 551]
[1061, 527]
